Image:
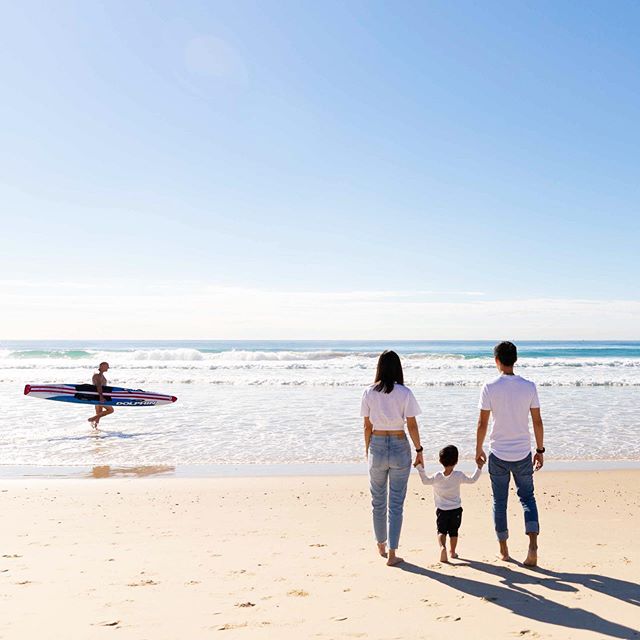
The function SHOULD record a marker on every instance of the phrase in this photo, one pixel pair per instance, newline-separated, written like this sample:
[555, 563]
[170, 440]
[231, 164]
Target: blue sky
[444, 152]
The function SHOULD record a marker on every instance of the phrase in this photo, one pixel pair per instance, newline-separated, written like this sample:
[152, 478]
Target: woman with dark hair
[386, 406]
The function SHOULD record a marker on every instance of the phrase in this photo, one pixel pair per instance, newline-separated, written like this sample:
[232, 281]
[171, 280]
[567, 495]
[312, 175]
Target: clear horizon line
[610, 340]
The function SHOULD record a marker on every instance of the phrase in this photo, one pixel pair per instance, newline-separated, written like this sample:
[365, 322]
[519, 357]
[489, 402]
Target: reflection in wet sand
[107, 471]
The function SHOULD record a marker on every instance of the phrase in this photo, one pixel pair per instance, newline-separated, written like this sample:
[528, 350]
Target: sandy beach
[294, 558]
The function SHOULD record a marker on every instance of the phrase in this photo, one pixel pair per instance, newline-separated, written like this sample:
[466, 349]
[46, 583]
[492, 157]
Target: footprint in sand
[228, 627]
[246, 604]
[299, 593]
[143, 583]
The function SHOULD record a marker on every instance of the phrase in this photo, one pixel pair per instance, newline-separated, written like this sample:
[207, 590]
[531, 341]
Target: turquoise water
[467, 349]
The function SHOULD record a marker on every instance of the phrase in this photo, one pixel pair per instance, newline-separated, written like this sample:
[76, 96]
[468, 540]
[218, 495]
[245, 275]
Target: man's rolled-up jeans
[500, 473]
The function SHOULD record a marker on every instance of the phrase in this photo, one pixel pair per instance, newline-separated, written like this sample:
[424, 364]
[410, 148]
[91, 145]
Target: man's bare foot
[393, 559]
[443, 556]
[532, 558]
[504, 551]
[382, 549]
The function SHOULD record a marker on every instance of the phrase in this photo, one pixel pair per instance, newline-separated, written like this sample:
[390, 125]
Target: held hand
[480, 462]
[538, 461]
[419, 460]
[481, 457]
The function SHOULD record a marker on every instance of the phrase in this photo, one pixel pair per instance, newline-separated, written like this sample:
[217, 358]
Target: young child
[446, 493]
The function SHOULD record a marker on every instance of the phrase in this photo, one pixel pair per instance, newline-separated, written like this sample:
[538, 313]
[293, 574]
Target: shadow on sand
[561, 581]
[517, 599]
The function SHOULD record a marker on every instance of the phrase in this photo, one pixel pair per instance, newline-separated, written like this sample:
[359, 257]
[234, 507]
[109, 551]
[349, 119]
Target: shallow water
[278, 403]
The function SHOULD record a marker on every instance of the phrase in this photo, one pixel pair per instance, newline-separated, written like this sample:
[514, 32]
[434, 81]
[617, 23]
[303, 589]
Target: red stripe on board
[52, 388]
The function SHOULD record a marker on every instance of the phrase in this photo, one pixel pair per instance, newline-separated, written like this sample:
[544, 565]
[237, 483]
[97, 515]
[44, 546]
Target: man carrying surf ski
[100, 381]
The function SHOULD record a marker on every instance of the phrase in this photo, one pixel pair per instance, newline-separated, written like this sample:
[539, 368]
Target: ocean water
[265, 402]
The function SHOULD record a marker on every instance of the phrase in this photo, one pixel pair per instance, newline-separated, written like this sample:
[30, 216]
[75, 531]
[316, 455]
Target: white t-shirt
[389, 411]
[509, 398]
[446, 489]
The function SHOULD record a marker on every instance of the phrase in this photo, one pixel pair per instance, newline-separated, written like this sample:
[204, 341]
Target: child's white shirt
[446, 489]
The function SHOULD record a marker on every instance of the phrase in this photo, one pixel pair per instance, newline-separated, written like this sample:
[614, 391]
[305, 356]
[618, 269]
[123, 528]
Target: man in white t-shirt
[511, 399]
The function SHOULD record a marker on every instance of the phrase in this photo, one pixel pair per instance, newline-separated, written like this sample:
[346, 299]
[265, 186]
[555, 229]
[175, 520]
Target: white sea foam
[277, 356]
[311, 368]
[162, 355]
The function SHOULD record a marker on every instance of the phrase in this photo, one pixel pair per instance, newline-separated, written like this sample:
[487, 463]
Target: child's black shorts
[449, 521]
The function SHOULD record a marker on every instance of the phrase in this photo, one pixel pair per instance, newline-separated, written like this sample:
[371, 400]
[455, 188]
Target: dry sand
[295, 558]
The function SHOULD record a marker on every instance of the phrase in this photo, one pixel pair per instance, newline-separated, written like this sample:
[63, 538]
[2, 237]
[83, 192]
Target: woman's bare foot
[393, 559]
[532, 558]
[443, 555]
[382, 549]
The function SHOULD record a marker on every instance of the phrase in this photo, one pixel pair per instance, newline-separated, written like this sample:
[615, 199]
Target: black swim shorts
[448, 521]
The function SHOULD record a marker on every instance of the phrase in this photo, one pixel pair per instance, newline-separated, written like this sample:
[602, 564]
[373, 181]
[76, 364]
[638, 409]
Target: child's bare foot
[453, 554]
[532, 558]
[393, 559]
[443, 556]
[382, 549]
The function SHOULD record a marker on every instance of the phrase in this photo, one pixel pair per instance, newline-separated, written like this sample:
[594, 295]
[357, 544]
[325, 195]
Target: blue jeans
[389, 469]
[500, 472]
